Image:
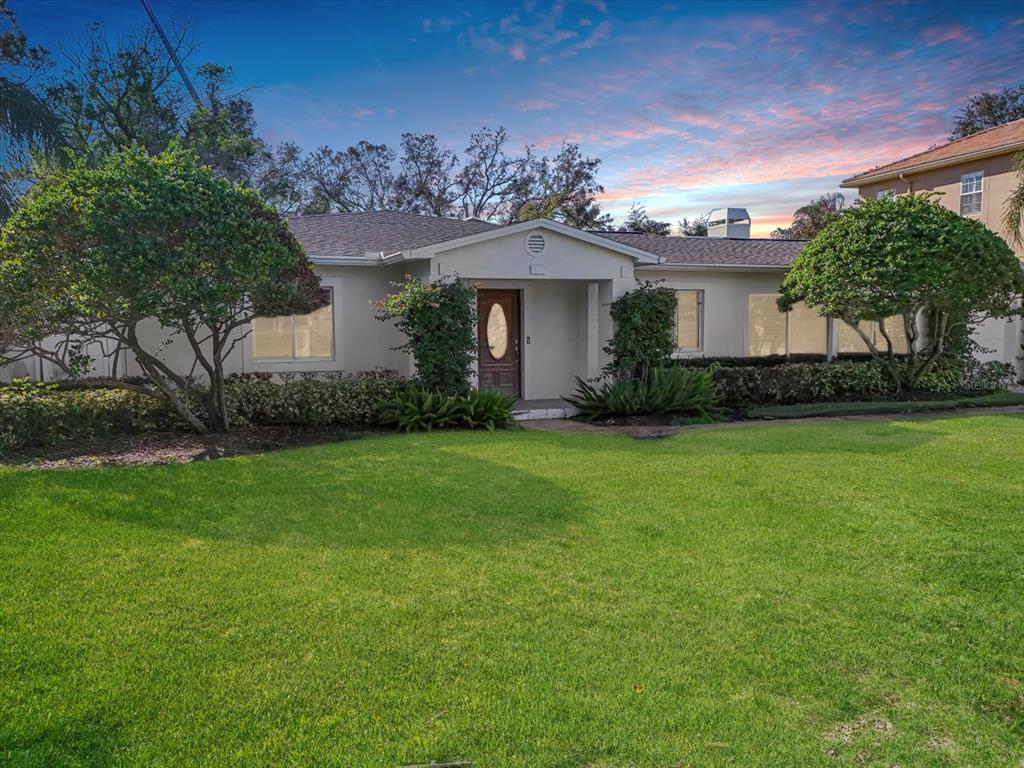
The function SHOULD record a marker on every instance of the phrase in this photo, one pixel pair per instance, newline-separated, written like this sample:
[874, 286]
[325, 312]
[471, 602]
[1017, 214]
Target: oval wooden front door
[498, 340]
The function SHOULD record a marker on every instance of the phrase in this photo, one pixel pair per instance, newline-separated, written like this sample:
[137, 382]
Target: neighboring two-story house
[975, 176]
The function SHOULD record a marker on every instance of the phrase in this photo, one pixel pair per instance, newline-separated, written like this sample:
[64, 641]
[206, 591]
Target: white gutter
[858, 181]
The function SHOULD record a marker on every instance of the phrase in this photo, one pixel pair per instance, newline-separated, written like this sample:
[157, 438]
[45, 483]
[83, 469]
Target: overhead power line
[173, 54]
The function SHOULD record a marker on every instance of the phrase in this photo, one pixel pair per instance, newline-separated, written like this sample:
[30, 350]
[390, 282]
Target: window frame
[969, 178]
[294, 360]
[787, 318]
[700, 321]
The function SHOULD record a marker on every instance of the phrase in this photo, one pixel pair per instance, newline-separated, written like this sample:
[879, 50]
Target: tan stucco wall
[725, 303]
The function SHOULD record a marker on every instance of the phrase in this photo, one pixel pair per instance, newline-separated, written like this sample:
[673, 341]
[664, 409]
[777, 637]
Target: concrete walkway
[641, 432]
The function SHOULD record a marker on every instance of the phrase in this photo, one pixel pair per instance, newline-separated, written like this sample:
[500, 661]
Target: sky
[690, 105]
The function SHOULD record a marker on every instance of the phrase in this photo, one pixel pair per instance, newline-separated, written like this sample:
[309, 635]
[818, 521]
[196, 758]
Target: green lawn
[796, 595]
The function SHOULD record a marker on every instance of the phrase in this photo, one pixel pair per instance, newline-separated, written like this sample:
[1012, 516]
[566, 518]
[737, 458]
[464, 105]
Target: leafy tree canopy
[695, 227]
[810, 219]
[637, 220]
[987, 110]
[92, 252]
[912, 257]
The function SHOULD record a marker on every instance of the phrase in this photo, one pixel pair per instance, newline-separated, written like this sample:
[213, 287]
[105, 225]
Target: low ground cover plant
[669, 391]
[416, 409]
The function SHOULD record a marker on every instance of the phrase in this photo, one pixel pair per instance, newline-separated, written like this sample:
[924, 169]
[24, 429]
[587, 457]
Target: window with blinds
[801, 331]
[970, 193]
[295, 337]
[689, 320]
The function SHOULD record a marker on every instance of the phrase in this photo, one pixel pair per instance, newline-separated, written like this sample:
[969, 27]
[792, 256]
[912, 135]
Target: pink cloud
[696, 118]
[517, 52]
[953, 33]
[360, 113]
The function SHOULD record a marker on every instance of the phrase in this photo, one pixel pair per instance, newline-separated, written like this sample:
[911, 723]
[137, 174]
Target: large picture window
[801, 331]
[295, 337]
[689, 320]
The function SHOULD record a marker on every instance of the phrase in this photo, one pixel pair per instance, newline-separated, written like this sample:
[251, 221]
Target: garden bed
[863, 408]
[172, 447]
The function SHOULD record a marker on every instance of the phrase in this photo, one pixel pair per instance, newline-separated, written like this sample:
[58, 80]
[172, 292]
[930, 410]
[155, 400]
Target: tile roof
[712, 251]
[1009, 136]
[356, 235]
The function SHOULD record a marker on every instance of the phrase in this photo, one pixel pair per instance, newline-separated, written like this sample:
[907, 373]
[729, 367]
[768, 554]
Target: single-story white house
[544, 294]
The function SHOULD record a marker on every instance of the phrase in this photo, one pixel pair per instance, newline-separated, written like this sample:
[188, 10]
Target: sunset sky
[690, 105]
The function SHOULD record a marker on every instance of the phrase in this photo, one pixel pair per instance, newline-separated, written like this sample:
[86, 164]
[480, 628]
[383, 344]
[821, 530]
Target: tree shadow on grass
[373, 493]
[82, 741]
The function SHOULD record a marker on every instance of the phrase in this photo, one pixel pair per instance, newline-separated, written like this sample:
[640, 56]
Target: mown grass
[813, 595]
[858, 408]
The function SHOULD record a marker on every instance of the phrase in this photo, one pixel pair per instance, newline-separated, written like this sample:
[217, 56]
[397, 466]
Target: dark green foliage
[846, 380]
[46, 414]
[439, 320]
[671, 391]
[92, 252]
[351, 401]
[33, 414]
[907, 256]
[642, 340]
[415, 409]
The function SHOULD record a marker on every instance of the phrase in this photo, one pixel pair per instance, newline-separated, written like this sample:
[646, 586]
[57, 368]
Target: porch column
[589, 362]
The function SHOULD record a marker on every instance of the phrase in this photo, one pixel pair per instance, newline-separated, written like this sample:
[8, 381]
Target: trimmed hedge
[844, 380]
[33, 414]
[350, 401]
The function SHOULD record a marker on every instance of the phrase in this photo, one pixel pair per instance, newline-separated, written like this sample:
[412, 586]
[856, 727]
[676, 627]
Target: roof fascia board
[869, 178]
[429, 251]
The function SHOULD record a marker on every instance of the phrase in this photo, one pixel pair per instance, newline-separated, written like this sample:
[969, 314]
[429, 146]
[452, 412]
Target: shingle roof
[1009, 136]
[355, 235]
[712, 251]
[370, 234]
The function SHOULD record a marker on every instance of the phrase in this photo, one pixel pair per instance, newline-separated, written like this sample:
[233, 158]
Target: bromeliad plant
[675, 391]
[415, 409]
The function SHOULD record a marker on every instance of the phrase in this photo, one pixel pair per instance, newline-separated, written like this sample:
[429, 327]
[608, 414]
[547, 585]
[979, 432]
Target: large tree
[93, 252]
[637, 220]
[426, 182]
[810, 219]
[909, 257]
[26, 120]
[987, 110]
[491, 181]
[564, 188]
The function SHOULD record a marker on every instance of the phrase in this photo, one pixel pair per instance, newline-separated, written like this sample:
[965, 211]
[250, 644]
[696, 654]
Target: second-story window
[970, 193]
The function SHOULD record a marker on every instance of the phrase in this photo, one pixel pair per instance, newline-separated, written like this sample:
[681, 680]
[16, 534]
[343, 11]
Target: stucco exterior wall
[725, 303]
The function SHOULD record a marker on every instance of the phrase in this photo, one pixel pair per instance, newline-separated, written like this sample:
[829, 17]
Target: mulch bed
[173, 447]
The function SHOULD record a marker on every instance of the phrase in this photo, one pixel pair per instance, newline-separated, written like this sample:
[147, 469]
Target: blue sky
[691, 105]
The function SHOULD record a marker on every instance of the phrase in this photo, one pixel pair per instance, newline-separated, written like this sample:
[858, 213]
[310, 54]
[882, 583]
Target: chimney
[729, 222]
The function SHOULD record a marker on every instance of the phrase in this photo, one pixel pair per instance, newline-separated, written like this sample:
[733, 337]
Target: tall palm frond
[24, 117]
[25, 121]
[1013, 214]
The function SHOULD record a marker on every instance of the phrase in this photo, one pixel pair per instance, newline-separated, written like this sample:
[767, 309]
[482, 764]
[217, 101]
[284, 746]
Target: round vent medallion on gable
[535, 244]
